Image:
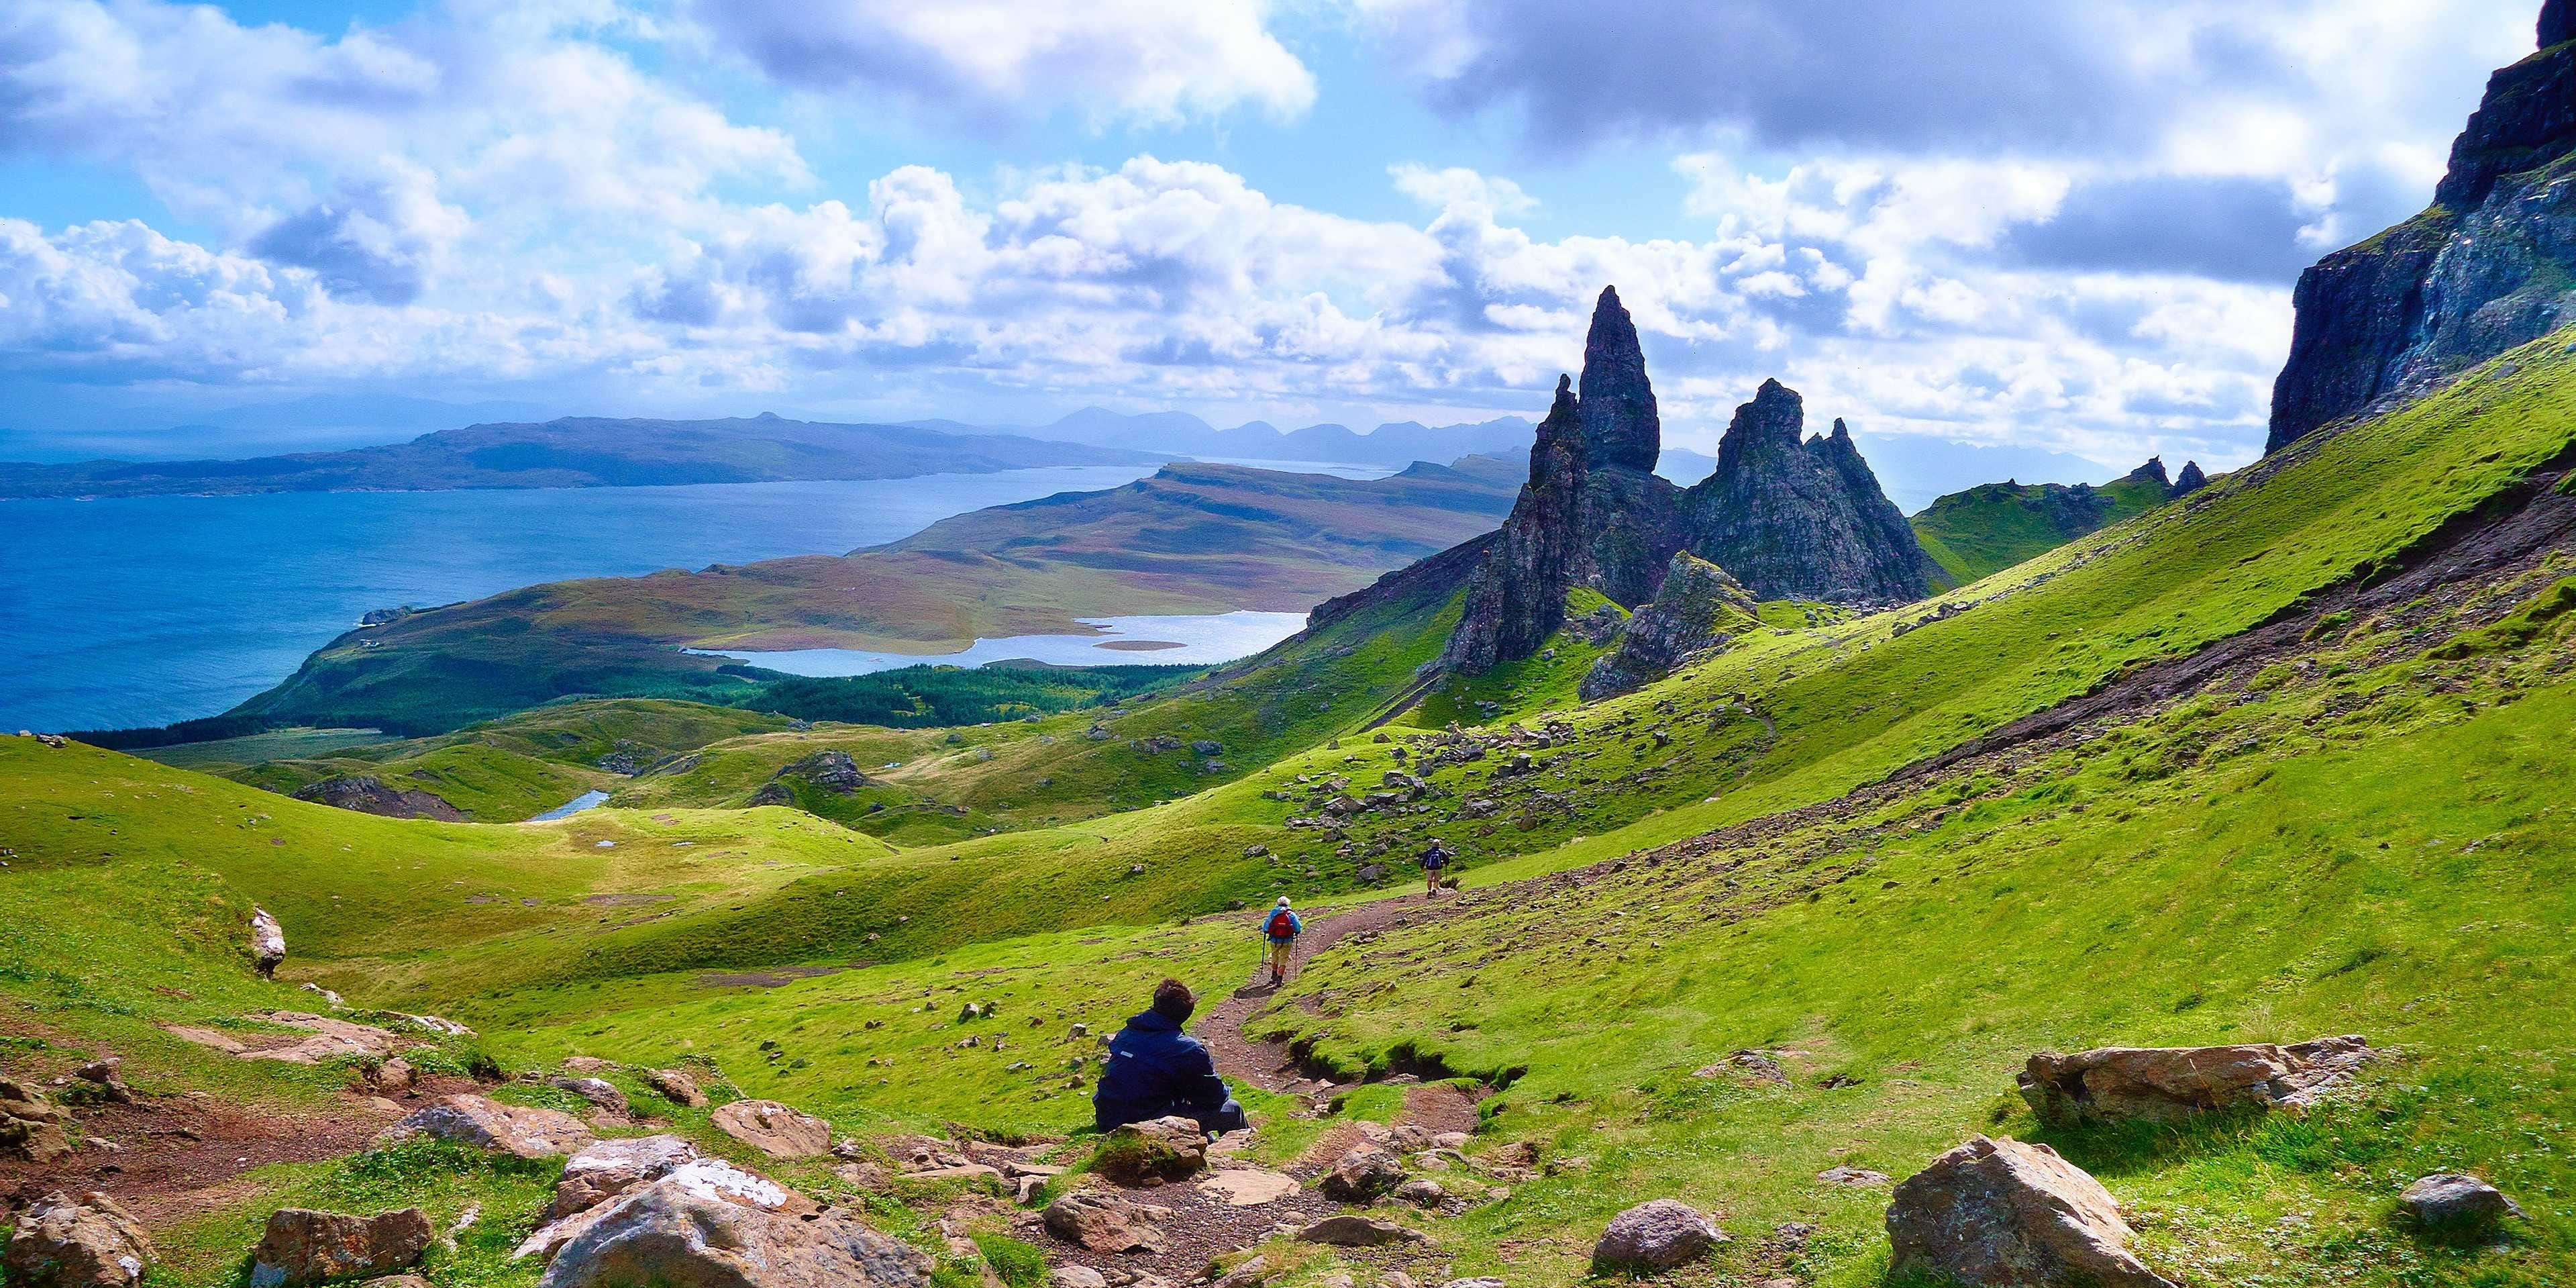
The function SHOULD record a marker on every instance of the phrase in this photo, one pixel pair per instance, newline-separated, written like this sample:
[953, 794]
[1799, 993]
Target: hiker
[1154, 1069]
[1434, 860]
[1282, 927]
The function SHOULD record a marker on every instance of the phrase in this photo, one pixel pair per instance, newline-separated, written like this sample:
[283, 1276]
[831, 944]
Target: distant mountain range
[1394, 445]
[580, 452]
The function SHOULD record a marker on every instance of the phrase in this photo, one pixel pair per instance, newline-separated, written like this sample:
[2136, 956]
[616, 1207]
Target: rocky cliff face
[1805, 518]
[1698, 611]
[1797, 517]
[2492, 264]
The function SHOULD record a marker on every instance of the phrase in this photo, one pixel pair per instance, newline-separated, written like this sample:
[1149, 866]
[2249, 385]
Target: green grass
[1974, 534]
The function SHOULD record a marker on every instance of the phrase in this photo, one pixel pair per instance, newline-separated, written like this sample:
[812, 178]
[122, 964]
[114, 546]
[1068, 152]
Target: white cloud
[1157, 61]
[1457, 185]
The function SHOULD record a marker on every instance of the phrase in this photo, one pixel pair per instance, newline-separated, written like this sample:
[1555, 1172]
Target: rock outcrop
[31, 1128]
[2163, 1084]
[1786, 516]
[302, 1246]
[368, 794]
[2485, 268]
[774, 1129]
[1102, 1222]
[1698, 610]
[522, 1131]
[1152, 1152]
[2002, 1214]
[1795, 517]
[2189, 481]
[84, 1242]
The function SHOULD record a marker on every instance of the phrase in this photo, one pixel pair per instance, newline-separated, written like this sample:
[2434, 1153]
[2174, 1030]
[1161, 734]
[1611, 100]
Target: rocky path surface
[1269, 1065]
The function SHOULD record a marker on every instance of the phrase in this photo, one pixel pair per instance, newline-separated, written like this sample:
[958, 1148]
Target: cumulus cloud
[994, 60]
[377, 241]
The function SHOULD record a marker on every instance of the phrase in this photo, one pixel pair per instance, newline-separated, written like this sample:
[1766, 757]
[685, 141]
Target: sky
[2070, 224]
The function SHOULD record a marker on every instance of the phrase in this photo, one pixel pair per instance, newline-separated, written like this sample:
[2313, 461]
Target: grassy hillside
[1973, 534]
[2283, 759]
[1192, 539]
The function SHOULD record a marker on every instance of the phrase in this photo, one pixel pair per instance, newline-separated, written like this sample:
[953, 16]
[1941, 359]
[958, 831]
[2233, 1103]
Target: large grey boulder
[605, 1169]
[2457, 1207]
[682, 1233]
[84, 1242]
[2003, 1214]
[2163, 1084]
[518, 1130]
[584, 1200]
[1102, 1222]
[1656, 1235]
[302, 1246]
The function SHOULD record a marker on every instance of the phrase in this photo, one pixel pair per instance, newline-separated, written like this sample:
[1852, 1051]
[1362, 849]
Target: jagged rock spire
[2190, 480]
[1621, 429]
[2557, 22]
[1774, 419]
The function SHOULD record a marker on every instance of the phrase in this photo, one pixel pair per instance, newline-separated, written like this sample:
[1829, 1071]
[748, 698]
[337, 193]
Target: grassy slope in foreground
[1986, 529]
[1192, 539]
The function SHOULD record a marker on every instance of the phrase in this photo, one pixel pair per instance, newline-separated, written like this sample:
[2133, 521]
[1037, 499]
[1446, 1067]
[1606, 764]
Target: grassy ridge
[1974, 534]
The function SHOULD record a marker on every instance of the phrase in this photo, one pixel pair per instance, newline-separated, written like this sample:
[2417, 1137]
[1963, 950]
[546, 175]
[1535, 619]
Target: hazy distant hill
[1395, 444]
[580, 452]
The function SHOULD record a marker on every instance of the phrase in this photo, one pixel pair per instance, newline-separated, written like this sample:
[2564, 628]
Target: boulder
[2457, 1207]
[1353, 1231]
[1151, 1152]
[676, 1086]
[602, 1170]
[1998, 1213]
[31, 1128]
[267, 943]
[303, 1246]
[711, 1178]
[1077, 1277]
[1656, 1235]
[1362, 1175]
[1422, 1193]
[517, 1130]
[774, 1129]
[683, 1232]
[1102, 1222]
[1249, 1186]
[84, 1242]
[2163, 1084]
[598, 1091]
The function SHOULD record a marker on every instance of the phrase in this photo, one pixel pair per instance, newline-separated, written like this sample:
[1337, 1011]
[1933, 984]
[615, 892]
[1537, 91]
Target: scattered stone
[774, 1129]
[1852, 1177]
[31, 1129]
[303, 1246]
[2162, 1084]
[267, 943]
[1077, 1277]
[676, 1086]
[1249, 1186]
[396, 1281]
[84, 1242]
[518, 1130]
[683, 1230]
[1422, 1193]
[1362, 1175]
[605, 1169]
[332, 1039]
[960, 1172]
[1353, 1231]
[1152, 1152]
[393, 1076]
[1657, 1235]
[1102, 1223]
[1998, 1213]
[2457, 1207]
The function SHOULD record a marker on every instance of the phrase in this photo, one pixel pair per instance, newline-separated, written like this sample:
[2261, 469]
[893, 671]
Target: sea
[146, 610]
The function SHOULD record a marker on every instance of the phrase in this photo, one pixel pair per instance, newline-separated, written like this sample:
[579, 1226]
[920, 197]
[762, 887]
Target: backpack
[1282, 925]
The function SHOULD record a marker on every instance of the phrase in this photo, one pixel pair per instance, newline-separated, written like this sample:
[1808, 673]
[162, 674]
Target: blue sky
[2067, 225]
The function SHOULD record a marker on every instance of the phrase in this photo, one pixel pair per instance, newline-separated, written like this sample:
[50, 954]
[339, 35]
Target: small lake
[1149, 641]
[144, 610]
[587, 800]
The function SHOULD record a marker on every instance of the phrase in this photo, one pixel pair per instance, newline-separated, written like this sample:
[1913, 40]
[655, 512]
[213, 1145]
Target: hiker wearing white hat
[1281, 927]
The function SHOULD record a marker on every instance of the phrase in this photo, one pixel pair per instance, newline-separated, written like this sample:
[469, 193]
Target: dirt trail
[1268, 1065]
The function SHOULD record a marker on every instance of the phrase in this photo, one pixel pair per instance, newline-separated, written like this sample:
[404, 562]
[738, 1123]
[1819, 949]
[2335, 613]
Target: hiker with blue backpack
[1435, 860]
[1281, 927]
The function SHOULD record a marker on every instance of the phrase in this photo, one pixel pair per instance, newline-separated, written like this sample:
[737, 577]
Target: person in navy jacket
[1154, 1069]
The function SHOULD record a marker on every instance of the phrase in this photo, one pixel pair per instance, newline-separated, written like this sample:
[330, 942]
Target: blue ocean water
[145, 610]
